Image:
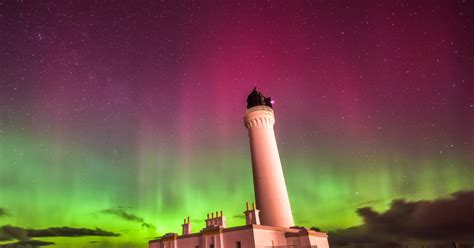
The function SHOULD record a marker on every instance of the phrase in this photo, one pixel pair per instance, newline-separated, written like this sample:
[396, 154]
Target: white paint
[269, 183]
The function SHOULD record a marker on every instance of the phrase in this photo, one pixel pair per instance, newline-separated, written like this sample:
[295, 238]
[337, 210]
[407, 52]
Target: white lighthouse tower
[269, 223]
[269, 184]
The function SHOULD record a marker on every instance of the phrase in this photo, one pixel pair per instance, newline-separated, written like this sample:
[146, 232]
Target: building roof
[289, 232]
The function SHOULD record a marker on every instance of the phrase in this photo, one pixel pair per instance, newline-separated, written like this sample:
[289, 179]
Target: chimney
[252, 216]
[187, 228]
[216, 221]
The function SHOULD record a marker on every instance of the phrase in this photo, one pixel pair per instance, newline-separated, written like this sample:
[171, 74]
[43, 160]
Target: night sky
[118, 120]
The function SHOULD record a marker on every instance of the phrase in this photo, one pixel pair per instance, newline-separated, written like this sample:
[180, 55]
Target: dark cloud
[69, 232]
[27, 244]
[361, 204]
[12, 232]
[4, 237]
[440, 220]
[126, 215]
[4, 212]
[22, 234]
[239, 216]
[146, 225]
[122, 213]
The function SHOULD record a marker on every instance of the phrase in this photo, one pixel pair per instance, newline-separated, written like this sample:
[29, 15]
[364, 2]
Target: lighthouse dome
[256, 98]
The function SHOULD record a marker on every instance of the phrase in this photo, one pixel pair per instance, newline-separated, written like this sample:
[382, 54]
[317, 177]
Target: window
[238, 244]
[212, 245]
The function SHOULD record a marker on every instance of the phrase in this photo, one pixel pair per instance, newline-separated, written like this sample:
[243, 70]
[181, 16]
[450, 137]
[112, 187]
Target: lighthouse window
[238, 244]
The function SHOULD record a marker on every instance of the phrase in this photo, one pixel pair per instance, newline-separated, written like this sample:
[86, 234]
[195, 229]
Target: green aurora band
[128, 115]
[45, 184]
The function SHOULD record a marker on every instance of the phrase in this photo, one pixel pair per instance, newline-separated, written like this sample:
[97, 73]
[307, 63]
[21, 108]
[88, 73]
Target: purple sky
[374, 100]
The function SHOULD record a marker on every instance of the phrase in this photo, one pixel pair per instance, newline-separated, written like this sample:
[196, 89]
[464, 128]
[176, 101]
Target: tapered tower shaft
[269, 183]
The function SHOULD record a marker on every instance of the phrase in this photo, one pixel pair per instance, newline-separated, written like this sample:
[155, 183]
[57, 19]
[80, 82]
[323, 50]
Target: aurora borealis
[128, 116]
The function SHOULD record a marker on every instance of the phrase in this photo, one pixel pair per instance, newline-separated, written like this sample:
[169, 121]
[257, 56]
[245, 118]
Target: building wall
[165, 244]
[293, 241]
[190, 242]
[269, 238]
[244, 236]
[208, 240]
[248, 238]
[320, 242]
[154, 245]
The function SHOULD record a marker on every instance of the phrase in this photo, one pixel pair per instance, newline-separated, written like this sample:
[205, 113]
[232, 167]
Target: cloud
[125, 215]
[4, 237]
[27, 244]
[239, 216]
[361, 204]
[22, 234]
[431, 221]
[69, 232]
[120, 212]
[146, 225]
[4, 212]
[12, 232]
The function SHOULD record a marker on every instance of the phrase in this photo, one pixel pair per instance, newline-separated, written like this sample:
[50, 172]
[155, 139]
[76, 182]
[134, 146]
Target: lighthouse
[269, 183]
[269, 223]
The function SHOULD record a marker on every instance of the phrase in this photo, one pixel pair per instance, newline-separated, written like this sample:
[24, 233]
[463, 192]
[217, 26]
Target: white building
[271, 225]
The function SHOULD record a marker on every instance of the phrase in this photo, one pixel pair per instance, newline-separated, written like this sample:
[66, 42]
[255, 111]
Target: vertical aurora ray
[140, 106]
